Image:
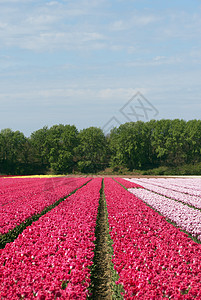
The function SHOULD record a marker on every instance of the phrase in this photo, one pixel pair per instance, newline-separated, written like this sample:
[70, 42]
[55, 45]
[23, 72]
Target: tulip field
[48, 237]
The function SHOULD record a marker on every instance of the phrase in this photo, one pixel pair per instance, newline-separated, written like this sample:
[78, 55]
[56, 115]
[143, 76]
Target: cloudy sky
[80, 62]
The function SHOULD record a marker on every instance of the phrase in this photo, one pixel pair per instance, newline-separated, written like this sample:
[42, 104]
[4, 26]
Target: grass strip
[13, 234]
[116, 288]
[120, 184]
[103, 275]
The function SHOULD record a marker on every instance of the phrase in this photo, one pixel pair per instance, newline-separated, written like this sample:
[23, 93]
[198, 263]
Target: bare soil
[101, 273]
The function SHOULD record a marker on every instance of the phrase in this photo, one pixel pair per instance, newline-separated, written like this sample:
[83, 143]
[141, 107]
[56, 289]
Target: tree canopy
[133, 145]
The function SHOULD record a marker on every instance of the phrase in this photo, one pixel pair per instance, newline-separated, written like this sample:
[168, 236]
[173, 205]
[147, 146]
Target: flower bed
[186, 186]
[51, 258]
[185, 217]
[26, 198]
[174, 194]
[153, 258]
[127, 184]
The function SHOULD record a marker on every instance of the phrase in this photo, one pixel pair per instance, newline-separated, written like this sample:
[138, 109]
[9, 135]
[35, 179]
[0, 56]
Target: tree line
[62, 149]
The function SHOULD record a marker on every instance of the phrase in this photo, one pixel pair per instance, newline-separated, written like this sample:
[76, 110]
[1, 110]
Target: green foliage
[147, 146]
[186, 169]
[156, 147]
[12, 150]
[55, 147]
[63, 162]
[167, 141]
[86, 166]
[64, 284]
[39, 145]
[192, 141]
[61, 141]
[129, 145]
[92, 150]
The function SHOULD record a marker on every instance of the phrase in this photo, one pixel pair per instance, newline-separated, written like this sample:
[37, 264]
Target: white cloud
[133, 20]
[41, 20]
[159, 58]
[182, 25]
[15, 1]
[157, 61]
[51, 3]
[119, 25]
[142, 48]
[119, 93]
[144, 20]
[50, 41]
[48, 96]
[45, 28]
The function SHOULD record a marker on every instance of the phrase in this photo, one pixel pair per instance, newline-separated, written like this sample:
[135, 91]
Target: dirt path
[101, 273]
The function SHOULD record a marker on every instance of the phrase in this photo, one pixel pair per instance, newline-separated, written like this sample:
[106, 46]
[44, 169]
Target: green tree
[159, 136]
[129, 145]
[92, 150]
[167, 141]
[61, 142]
[40, 146]
[175, 143]
[11, 148]
[192, 141]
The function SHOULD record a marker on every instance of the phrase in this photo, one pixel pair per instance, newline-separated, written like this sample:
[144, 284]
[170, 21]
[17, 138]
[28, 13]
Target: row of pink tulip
[51, 258]
[20, 185]
[127, 183]
[12, 189]
[35, 198]
[153, 258]
[187, 186]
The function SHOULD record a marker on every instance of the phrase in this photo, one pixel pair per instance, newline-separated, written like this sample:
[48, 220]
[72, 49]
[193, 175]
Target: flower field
[23, 198]
[153, 258]
[185, 211]
[52, 258]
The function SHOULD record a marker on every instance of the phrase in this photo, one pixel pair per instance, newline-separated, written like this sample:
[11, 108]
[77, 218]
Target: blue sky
[79, 62]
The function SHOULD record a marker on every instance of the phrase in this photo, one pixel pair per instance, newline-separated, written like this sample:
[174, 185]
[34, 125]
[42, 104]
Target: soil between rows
[101, 277]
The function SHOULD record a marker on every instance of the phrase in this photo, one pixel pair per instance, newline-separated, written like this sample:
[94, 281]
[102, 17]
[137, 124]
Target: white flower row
[190, 186]
[186, 218]
[168, 192]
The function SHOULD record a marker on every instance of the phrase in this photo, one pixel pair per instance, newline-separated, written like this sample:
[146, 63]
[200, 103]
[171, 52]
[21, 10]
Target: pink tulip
[153, 258]
[51, 258]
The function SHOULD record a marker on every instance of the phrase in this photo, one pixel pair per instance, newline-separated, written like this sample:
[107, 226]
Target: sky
[98, 63]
